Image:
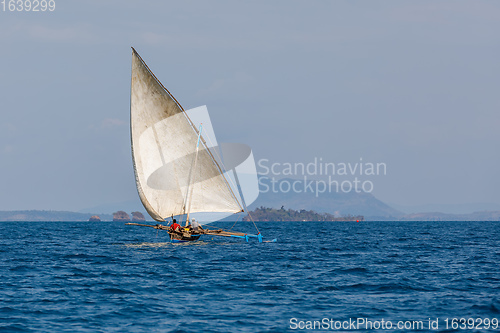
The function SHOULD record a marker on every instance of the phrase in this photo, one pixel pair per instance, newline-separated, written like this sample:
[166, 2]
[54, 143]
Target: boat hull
[176, 237]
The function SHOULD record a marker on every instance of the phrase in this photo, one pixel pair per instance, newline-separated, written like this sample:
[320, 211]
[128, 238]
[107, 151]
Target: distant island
[61, 216]
[122, 216]
[282, 214]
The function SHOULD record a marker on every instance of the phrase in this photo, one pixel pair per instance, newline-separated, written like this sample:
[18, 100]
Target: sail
[164, 148]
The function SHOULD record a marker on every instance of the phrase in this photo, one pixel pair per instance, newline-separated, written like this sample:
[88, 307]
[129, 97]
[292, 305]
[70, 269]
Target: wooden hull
[181, 237]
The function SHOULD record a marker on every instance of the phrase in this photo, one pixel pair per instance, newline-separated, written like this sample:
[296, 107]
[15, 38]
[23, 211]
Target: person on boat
[174, 225]
[196, 226]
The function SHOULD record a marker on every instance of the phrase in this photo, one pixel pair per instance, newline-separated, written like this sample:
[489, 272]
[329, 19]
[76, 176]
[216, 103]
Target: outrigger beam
[247, 236]
[211, 232]
[157, 226]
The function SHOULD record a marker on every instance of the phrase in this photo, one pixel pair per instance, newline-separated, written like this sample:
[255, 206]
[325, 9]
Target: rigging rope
[231, 180]
[221, 163]
[251, 218]
[234, 223]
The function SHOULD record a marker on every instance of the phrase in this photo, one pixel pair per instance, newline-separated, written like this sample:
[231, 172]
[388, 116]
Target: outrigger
[187, 235]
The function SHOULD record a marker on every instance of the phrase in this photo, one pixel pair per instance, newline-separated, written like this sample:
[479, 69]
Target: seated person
[174, 225]
[196, 225]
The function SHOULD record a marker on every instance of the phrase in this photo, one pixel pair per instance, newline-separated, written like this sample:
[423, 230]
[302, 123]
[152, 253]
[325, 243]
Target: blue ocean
[332, 276]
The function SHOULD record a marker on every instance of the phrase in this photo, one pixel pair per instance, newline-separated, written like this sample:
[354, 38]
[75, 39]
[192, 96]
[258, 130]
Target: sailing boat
[176, 173]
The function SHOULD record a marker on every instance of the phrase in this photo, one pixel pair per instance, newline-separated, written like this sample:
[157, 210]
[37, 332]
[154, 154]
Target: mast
[190, 188]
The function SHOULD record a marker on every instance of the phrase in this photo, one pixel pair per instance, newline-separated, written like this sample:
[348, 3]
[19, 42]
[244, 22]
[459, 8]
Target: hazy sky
[412, 84]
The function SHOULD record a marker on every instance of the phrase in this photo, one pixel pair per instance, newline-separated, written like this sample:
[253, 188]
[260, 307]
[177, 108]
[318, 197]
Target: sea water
[109, 277]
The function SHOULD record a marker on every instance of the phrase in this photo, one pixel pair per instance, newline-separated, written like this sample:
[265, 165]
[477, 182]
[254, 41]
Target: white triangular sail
[163, 149]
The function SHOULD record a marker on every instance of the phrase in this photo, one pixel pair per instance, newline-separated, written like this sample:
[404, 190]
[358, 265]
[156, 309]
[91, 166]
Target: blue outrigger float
[176, 172]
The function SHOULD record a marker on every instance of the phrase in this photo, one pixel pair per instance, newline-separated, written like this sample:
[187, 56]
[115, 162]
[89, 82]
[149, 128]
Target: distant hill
[436, 216]
[48, 215]
[282, 214]
[464, 208]
[338, 204]
[352, 203]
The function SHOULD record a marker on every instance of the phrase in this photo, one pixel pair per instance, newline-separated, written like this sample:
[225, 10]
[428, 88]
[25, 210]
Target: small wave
[241, 279]
[493, 307]
[15, 328]
[77, 256]
[7, 309]
[117, 291]
[272, 287]
[22, 268]
[328, 288]
[354, 270]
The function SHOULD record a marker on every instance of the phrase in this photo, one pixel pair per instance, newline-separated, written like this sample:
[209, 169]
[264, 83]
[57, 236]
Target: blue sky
[413, 84]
